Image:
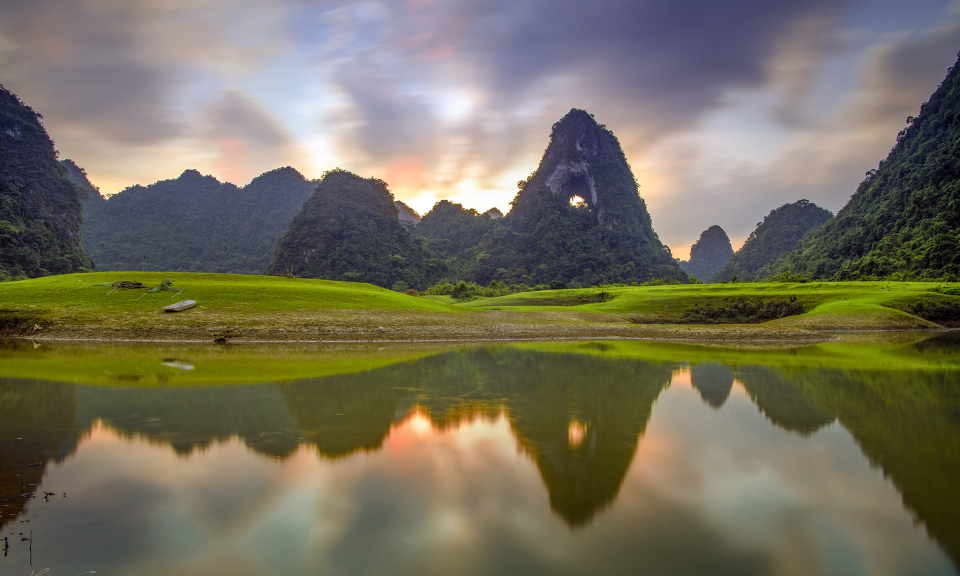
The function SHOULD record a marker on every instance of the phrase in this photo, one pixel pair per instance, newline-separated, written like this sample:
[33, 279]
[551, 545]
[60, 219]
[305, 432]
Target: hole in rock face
[577, 188]
[578, 202]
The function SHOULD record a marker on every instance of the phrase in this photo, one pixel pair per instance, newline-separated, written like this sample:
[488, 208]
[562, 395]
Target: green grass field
[236, 302]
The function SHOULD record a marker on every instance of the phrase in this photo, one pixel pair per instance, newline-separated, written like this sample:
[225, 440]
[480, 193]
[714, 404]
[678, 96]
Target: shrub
[742, 311]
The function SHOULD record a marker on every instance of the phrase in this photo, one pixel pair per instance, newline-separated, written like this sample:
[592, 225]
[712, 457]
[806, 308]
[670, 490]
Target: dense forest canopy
[40, 209]
[195, 223]
[904, 219]
[710, 253]
[448, 228]
[349, 229]
[779, 233]
[406, 213]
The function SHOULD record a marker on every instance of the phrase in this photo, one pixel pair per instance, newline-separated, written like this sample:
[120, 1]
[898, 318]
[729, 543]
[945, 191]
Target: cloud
[455, 98]
[249, 140]
[83, 70]
[823, 159]
[646, 69]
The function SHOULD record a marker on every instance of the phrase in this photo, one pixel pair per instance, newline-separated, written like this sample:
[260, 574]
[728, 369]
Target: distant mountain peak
[709, 254]
[406, 213]
[494, 213]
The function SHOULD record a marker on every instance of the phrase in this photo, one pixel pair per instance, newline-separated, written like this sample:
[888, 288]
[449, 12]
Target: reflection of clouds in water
[813, 503]
[709, 492]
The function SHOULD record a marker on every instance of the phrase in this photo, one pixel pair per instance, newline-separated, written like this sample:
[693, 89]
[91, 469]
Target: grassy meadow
[279, 308]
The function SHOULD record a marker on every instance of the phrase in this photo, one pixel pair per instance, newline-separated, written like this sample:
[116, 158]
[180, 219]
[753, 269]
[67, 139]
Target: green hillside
[710, 253]
[40, 209]
[904, 218]
[349, 229]
[195, 223]
[778, 234]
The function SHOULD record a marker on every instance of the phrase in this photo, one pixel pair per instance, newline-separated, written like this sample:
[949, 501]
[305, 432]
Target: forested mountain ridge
[605, 237]
[904, 218]
[406, 213]
[779, 233]
[40, 209]
[710, 253]
[195, 223]
[78, 176]
[448, 228]
[349, 229]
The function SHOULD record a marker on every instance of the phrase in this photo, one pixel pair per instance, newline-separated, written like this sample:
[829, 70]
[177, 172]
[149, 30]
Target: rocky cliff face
[408, 216]
[40, 209]
[584, 160]
[349, 229]
[711, 253]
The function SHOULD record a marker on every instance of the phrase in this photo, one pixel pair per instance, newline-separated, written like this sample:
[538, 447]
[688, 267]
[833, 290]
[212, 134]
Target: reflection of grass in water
[867, 352]
[897, 397]
[164, 364]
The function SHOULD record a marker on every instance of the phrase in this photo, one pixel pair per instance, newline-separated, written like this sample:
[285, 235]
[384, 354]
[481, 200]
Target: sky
[725, 109]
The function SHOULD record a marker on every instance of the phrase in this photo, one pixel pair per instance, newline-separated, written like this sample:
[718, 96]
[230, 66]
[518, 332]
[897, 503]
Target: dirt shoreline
[367, 326]
[734, 334]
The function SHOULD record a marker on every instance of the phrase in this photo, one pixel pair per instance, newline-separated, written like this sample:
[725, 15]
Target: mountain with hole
[578, 219]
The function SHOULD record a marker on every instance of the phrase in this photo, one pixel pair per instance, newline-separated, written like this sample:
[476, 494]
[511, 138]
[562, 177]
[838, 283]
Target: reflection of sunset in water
[575, 433]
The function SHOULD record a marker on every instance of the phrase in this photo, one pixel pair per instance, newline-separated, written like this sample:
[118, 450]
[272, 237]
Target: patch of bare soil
[386, 326]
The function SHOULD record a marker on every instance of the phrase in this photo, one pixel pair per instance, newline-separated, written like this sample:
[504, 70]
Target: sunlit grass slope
[211, 291]
[844, 301]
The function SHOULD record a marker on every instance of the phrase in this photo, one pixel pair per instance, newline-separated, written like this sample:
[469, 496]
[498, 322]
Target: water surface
[554, 458]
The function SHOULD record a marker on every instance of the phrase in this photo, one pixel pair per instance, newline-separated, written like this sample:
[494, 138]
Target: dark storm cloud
[675, 56]
[86, 68]
[827, 158]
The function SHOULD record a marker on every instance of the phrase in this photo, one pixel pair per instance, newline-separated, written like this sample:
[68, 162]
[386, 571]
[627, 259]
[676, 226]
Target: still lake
[530, 458]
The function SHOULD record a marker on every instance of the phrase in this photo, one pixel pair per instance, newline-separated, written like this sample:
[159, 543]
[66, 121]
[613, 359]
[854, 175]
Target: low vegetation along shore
[237, 308]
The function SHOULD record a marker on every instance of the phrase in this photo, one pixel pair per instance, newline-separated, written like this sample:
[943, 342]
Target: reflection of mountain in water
[579, 416]
[543, 394]
[36, 426]
[906, 422]
[192, 418]
[781, 402]
[713, 381]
